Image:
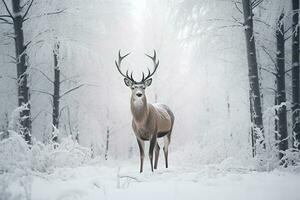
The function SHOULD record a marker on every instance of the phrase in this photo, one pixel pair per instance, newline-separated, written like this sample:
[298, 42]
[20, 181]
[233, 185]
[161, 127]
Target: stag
[149, 121]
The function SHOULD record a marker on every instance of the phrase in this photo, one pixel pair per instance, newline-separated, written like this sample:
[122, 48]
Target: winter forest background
[228, 69]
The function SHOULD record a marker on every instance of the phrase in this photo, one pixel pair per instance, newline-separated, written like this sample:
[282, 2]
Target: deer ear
[127, 82]
[148, 82]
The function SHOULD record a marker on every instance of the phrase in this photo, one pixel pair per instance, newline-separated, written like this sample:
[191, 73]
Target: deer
[149, 121]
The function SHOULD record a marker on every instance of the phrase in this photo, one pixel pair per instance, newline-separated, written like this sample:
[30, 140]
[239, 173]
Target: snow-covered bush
[69, 154]
[15, 154]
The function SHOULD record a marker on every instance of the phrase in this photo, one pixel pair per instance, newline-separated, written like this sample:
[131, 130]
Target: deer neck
[139, 109]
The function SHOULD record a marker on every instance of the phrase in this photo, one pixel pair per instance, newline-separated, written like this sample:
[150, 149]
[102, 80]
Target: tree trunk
[276, 114]
[255, 97]
[251, 127]
[56, 86]
[23, 90]
[295, 74]
[107, 143]
[281, 98]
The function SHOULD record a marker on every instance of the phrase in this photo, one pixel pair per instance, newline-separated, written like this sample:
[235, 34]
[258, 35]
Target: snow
[110, 180]
[67, 172]
[98, 181]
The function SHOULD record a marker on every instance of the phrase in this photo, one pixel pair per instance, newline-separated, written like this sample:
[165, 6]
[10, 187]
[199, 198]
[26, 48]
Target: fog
[228, 70]
[202, 76]
[202, 79]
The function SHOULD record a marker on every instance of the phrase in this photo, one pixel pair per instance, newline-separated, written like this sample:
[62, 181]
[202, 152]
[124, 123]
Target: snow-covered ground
[123, 181]
[68, 173]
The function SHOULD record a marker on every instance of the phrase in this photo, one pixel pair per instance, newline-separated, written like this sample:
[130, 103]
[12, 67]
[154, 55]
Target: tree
[16, 18]
[56, 87]
[281, 93]
[295, 74]
[56, 96]
[107, 143]
[254, 90]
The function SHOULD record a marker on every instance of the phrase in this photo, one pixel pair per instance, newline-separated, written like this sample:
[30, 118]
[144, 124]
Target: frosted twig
[7, 9]
[130, 177]
[26, 12]
[75, 88]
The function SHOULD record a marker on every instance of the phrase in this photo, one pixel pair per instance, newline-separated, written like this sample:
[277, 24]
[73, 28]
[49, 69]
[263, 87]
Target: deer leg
[156, 155]
[141, 144]
[166, 146]
[152, 145]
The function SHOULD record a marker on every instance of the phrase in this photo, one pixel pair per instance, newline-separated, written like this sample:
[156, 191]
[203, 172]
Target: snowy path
[207, 182]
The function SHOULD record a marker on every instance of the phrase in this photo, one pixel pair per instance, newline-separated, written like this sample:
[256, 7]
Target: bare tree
[295, 73]
[56, 95]
[255, 95]
[108, 132]
[56, 86]
[16, 17]
[107, 142]
[281, 94]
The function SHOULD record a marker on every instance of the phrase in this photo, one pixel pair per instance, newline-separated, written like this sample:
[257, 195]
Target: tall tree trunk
[276, 113]
[23, 90]
[251, 128]
[56, 86]
[107, 133]
[107, 142]
[281, 98]
[255, 96]
[295, 73]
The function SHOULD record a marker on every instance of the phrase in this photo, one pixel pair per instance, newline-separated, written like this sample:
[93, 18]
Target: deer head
[137, 87]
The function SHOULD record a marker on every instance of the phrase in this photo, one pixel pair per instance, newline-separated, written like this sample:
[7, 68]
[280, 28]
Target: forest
[151, 99]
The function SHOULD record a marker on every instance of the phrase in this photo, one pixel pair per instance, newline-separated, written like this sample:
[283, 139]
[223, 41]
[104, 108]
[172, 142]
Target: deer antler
[156, 63]
[118, 64]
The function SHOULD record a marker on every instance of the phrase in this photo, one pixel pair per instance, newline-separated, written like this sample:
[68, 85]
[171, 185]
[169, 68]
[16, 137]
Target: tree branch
[43, 92]
[237, 21]
[268, 25]
[272, 89]
[28, 8]
[28, 43]
[130, 177]
[13, 58]
[237, 7]
[39, 114]
[69, 78]
[289, 28]
[7, 9]
[47, 77]
[256, 3]
[45, 14]
[61, 110]
[285, 39]
[75, 88]
[267, 70]
[269, 55]
[228, 26]
[8, 16]
[288, 70]
[5, 21]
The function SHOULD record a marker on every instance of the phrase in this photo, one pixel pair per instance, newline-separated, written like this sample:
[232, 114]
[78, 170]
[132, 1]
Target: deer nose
[139, 94]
